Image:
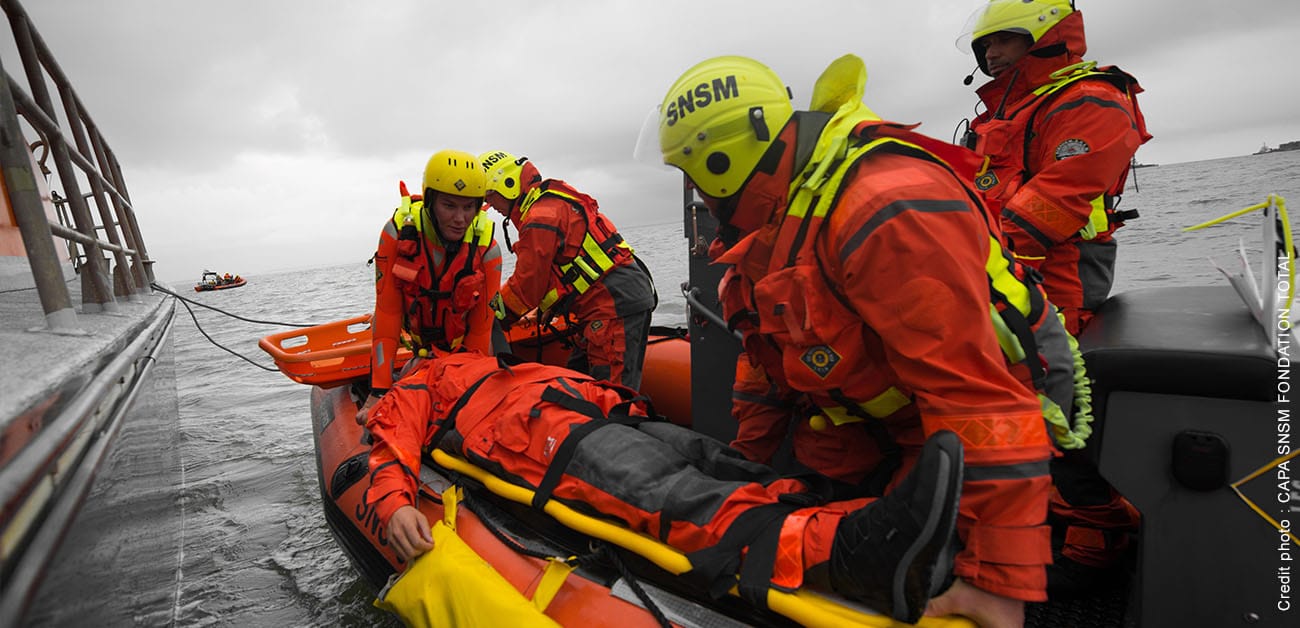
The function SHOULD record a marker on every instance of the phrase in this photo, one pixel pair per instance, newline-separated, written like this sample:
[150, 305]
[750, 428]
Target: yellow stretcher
[453, 586]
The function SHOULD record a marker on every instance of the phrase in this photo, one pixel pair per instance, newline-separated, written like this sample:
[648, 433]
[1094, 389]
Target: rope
[216, 309]
[219, 345]
[607, 551]
[1284, 228]
[186, 302]
[506, 540]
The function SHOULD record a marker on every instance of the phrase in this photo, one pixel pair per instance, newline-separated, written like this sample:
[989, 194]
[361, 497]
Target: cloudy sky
[261, 135]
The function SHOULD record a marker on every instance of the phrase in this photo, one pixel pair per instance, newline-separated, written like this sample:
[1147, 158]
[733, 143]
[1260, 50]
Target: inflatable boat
[578, 569]
[1192, 424]
[213, 281]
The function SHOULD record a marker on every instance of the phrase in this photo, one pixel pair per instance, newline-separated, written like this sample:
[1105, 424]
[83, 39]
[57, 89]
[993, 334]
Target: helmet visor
[647, 149]
[1027, 17]
[966, 36]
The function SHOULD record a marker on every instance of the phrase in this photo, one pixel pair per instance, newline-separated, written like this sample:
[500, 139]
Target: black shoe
[894, 554]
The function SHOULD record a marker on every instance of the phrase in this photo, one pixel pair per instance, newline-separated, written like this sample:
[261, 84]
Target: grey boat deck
[35, 363]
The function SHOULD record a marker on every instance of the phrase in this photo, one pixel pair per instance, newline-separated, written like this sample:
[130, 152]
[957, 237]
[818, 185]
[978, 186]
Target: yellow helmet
[719, 118]
[1027, 17]
[507, 175]
[454, 172]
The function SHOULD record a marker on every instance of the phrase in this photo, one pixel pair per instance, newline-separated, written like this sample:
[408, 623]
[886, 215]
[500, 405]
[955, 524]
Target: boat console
[1186, 389]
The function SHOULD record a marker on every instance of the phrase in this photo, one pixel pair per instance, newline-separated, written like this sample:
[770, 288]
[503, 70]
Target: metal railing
[85, 157]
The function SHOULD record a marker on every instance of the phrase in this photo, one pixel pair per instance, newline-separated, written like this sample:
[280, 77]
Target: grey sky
[258, 135]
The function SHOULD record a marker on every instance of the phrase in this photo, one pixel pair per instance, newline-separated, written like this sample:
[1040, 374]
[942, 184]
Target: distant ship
[1281, 147]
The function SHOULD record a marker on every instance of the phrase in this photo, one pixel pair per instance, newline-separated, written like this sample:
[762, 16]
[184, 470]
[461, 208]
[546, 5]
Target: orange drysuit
[1058, 160]
[867, 329]
[588, 444]
[612, 313]
[436, 291]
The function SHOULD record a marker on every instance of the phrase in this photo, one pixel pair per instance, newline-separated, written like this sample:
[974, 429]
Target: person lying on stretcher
[597, 447]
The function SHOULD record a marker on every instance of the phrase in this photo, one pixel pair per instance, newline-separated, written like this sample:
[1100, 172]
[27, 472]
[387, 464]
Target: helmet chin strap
[505, 230]
[509, 217]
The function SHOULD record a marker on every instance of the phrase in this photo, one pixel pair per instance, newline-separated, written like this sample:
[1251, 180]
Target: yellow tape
[1255, 507]
[1274, 200]
[1215, 221]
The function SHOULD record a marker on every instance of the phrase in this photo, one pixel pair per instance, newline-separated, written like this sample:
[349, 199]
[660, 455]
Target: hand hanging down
[408, 533]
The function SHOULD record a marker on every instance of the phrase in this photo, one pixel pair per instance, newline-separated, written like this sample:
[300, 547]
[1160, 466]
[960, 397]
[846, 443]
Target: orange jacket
[551, 234]
[1083, 139]
[441, 300]
[885, 304]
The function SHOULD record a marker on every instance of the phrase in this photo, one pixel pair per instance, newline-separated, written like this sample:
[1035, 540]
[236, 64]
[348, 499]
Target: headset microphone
[970, 78]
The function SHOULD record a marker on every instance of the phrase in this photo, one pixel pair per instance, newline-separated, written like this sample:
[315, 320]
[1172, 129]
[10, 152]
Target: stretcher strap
[760, 561]
[716, 565]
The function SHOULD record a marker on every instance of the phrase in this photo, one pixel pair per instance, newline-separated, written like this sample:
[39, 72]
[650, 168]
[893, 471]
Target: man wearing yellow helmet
[1059, 134]
[860, 269]
[436, 268]
[571, 262]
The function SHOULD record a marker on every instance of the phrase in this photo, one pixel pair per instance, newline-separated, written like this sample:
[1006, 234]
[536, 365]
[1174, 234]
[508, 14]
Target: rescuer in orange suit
[436, 268]
[589, 443]
[570, 261]
[861, 267]
[1060, 134]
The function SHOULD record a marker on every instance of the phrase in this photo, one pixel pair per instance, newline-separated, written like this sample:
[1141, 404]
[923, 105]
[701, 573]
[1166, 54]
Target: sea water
[256, 548]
